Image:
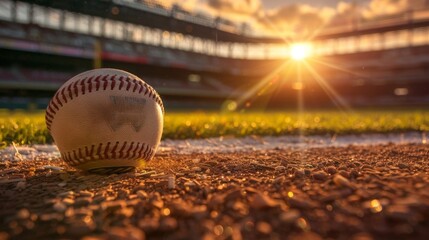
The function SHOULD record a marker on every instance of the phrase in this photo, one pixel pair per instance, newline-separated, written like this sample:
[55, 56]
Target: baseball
[105, 121]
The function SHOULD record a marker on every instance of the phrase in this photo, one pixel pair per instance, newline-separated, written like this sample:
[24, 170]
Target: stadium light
[300, 51]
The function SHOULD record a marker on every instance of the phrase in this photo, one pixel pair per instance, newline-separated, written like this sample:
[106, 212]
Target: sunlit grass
[23, 128]
[202, 125]
[28, 128]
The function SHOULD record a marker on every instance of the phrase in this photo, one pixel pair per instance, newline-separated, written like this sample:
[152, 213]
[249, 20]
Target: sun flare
[300, 51]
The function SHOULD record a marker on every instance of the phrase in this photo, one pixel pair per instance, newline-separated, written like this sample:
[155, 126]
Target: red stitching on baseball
[147, 88]
[121, 84]
[97, 82]
[99, 149]
[74, 155]
[52, 111]
[63, 95]
[55, 105]
[82, 84]
[135, 152]
[121, 151]
[135, 85]
[106, 151]
[80, 153]
[127, 153]
[57, 97]
[48, 118]
[63, 156]
[141, 151]
[147, 151]
[114, 150]
[86, 151]
[48, 115]
[92, 150]
[113, 82]
[75, 88]
[150, 91]
[140, 87]
[70, 91]
[71, 159]
[129, 83]
[106, 82]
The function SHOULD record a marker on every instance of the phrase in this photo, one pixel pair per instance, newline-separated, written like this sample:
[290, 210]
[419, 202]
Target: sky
[298, 18]
[320, 3]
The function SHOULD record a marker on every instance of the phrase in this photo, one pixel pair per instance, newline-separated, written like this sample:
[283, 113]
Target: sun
[300, 51]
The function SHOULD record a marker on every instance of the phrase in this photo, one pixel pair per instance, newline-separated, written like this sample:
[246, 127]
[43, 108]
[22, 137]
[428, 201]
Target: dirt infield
[353, 192]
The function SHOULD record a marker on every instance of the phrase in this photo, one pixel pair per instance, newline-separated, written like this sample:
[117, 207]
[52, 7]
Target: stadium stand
[191, 57]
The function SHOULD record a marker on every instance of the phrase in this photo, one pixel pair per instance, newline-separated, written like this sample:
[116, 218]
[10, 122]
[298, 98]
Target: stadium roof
[124, 11]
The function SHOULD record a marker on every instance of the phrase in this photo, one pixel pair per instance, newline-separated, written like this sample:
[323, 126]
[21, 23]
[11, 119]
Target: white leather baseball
[105, 120]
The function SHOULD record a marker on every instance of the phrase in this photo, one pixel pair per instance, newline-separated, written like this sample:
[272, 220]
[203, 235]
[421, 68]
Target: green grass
[28, 128]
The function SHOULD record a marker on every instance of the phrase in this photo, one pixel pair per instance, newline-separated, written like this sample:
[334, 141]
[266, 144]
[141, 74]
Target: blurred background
[216, 54]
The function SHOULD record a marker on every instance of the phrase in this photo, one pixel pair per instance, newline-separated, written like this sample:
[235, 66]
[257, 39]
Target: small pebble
[196, 169]
[60, 207]
[261, 201]
[65, 176]
[62, 184]
[290, 216]
[402, 165]
[320, 175]
[344, 173]
[23, 214]
[190, 184]
[280, 168]
[111, 206]
[68, 201]
[53, 168]
[80, 227]
[299, 173]
[168, 224]
[399, 212]
[142, 194]
[124, 233]
[20, 185]
[331, 170]
[98, 199]
[264, 228]
[171, 182]
[156, 200]
[341, 181]
[280, 180]
[66, 194]
[196, 160]
[82, 201]
[86, 194]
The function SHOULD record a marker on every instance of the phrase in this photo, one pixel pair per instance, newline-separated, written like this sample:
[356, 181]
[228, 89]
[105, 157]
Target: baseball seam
[108, 151]
[94, 84]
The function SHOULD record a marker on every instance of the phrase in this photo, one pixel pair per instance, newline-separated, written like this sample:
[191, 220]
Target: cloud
[244, 7]
[295, 21]
[385, 7]
[190, 5]
[345, 13]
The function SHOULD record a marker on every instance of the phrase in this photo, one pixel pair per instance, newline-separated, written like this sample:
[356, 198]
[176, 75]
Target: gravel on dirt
[350, 192]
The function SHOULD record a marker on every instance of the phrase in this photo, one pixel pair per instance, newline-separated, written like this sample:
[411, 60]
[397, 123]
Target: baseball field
[30, 128]
[242, 181]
